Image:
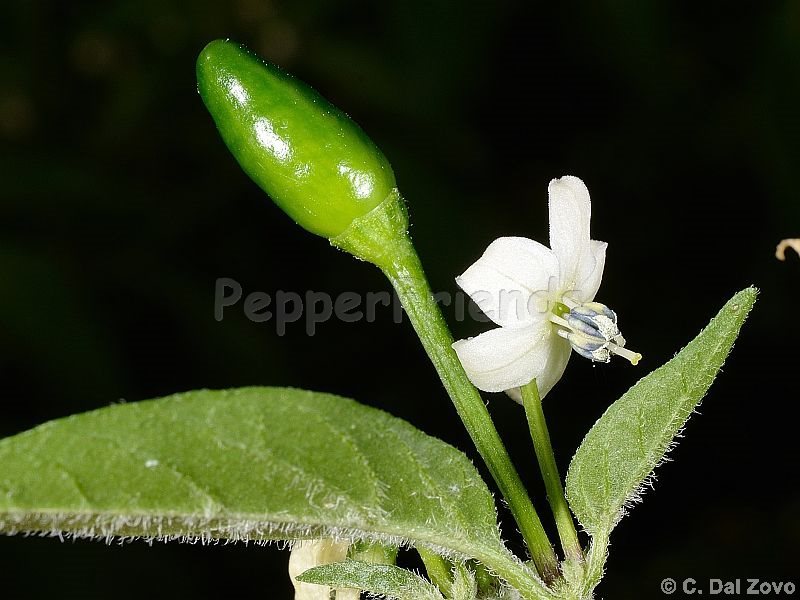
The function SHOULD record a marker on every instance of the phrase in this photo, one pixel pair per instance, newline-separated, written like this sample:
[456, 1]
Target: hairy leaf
[379, 580]
[249, 464]
[620, 452]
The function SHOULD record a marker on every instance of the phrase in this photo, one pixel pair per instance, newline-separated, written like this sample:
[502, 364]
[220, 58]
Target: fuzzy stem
[406, 275]
[381, 237]
[439, 570]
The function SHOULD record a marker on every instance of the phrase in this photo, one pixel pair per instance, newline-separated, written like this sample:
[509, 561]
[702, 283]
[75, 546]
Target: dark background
[120, 206]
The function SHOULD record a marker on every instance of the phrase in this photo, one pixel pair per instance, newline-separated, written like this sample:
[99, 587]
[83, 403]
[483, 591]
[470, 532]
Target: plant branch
[406, 275]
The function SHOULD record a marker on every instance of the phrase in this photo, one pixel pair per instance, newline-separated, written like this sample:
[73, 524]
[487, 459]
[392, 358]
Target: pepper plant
[348, 486]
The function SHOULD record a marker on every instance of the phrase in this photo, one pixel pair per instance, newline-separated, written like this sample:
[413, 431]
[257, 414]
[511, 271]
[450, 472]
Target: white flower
[542, 299]
[313, 553]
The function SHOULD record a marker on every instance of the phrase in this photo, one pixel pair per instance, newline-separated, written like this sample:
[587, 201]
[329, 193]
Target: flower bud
[312, 160]
[313, 553]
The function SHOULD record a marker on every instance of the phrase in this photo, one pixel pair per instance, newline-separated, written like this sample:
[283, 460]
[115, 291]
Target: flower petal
[557, 359]
[590, 273]
[570, 214]
[506, 358]
[560, 351]
[511, 281]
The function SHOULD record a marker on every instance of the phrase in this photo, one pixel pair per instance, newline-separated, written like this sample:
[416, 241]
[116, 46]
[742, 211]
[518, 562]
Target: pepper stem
[439, 569]
[547, 464]
[381, 238]
[412, 287]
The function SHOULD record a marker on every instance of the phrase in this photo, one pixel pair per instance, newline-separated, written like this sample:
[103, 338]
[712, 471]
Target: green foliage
[385, 580]
[247, 464]
[618, 456]
[390, 581]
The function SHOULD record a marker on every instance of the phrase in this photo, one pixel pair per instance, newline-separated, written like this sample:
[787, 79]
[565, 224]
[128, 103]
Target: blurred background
[120, 207]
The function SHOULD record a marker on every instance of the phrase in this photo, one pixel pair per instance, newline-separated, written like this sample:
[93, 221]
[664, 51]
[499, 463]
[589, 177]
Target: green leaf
[384, 580]
[617, 458]
[249, 464]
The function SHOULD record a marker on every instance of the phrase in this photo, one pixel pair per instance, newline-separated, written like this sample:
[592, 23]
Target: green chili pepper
[311, 158]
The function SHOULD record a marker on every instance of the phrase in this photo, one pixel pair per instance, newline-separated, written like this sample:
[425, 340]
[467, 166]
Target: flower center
[591, 328]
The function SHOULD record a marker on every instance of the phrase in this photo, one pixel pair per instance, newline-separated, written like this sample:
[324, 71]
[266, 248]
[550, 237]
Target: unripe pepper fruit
[308, 156]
